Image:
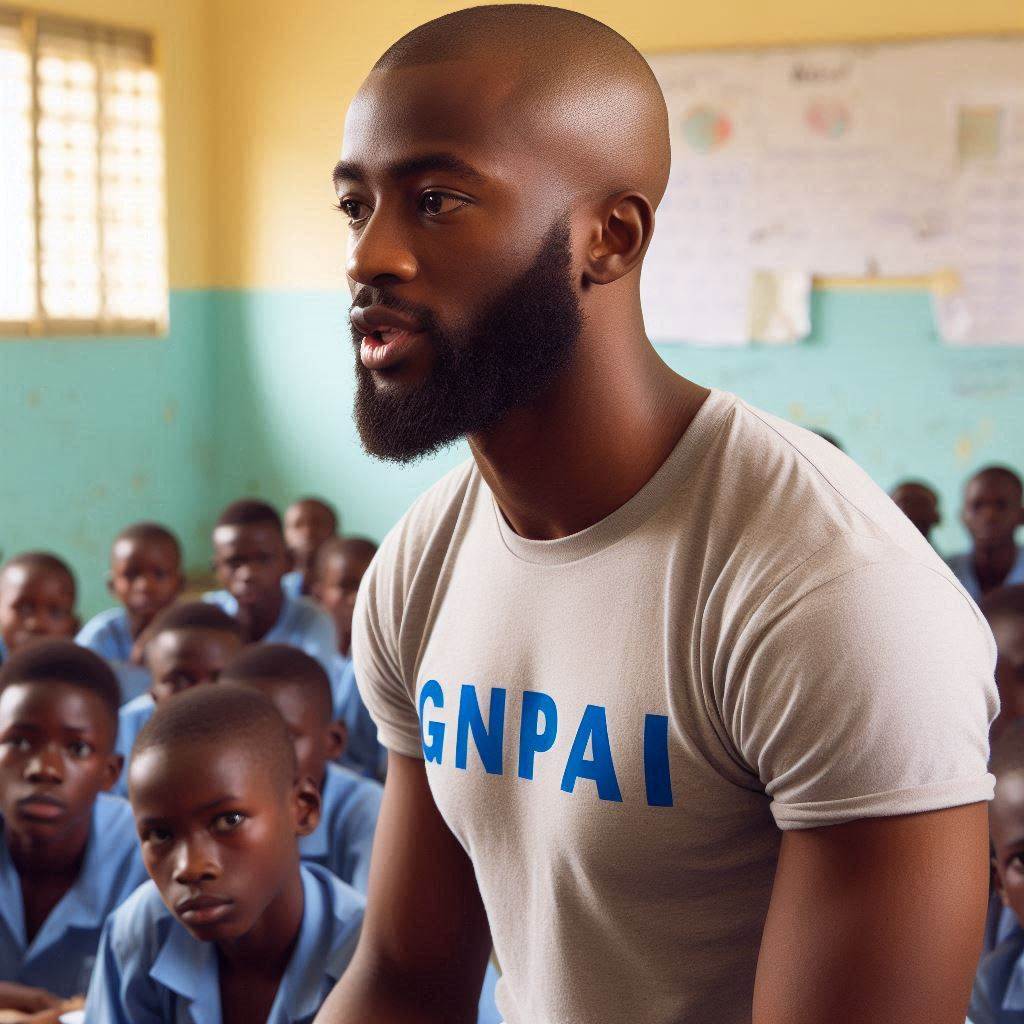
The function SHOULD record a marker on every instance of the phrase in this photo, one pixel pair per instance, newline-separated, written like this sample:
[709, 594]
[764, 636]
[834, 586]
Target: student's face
[307, 525]
[34, 605]
[1006, 828]
[218, 831]
[56, 754]
[463, 258]
[145, 576]
[919, 505]
[1008, 631]
[250, 561]
[337, 585]
[316, 742]
[179, 659]
[992, 509]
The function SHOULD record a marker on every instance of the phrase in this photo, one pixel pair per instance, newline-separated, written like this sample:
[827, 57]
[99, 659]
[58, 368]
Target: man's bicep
[425, 938]
[876, 920]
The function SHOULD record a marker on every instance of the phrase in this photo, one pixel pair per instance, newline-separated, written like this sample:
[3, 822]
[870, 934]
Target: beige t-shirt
[617, 724]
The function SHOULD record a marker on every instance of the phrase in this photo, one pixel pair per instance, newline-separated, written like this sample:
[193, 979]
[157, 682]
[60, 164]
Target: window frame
[40, 326]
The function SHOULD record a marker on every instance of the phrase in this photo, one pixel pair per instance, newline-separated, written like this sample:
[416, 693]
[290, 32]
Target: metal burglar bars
[81, 180]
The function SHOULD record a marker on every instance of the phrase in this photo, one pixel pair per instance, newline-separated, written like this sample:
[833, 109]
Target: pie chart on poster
[829, 119]
[706, 129]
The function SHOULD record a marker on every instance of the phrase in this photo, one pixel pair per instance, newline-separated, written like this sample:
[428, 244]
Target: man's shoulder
[108, 625]
[137, 709]
[344, 790]
[140, 925]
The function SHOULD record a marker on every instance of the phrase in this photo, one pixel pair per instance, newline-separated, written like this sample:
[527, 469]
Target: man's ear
[620, 237]
[112, 771]
[337, 739]
[306, 806]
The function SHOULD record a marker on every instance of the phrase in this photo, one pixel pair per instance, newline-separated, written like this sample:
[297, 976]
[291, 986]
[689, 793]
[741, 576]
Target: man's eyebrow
[348, 170]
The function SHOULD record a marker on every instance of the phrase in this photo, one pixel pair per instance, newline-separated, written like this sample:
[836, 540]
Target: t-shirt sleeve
[870, 695]
[376, 656]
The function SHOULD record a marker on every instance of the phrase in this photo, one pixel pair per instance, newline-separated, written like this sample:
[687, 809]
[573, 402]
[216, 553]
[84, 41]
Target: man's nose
[380, 255]
[45, 765]
[194, 862]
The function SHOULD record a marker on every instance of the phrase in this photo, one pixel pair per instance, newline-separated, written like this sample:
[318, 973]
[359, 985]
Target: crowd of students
[170, 845]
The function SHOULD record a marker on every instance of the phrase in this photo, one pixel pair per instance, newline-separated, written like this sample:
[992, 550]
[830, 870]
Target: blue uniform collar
[189, 968]
[82, 906]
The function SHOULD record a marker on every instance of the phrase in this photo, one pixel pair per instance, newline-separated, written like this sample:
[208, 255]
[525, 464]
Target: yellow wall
[285, 74]
[183, 33]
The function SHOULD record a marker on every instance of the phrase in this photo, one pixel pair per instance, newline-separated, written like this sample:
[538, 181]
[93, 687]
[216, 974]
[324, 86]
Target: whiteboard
[864, 160]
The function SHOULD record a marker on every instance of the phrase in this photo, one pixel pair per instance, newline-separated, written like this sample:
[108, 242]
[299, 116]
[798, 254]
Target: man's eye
[228, 821]
[435, 204]
[155, 836]
[353, 209]
[80, 749]
[20, 743]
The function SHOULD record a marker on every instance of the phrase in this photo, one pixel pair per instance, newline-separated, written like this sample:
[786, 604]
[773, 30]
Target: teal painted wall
[873, 373]
[98, 433]
[251, 393]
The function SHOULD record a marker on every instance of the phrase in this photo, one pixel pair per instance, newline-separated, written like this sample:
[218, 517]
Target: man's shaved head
[560, 74]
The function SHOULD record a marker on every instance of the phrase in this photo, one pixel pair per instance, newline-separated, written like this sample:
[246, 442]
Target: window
[81, 180]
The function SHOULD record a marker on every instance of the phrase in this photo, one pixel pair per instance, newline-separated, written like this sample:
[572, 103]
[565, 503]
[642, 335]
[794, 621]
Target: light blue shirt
[3, 652]
[291, 583]
[150, 970]
[302, 623]
[998, 995]
[109, 635]
[61, 954]
[363, 752]
[963, 569]
[130, 720]
[343, 841]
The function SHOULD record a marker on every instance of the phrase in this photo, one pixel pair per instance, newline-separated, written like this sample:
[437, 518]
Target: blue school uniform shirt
[291, 583]
[110, 636]
[343, 840]
[363, 752]
[963, 569]
[130, 720]
[150, 970]
[998, 994]
[61, 954]
[302, 623]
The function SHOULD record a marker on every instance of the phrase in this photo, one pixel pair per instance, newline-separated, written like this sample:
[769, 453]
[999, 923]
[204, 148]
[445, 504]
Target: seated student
[307, 524]
[337, 572]
[993, 509]
[68, 852]
[232, 927]
[250, 558]
[37, 599]
[145, 576]
[998, 996]
[300, 690]
[919, 503]
[188, 644]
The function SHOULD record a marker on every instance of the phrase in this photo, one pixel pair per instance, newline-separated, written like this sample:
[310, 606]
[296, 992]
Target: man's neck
[591, 443]
[271, 942]
[993, 562]
[60, 857]
[258, 620]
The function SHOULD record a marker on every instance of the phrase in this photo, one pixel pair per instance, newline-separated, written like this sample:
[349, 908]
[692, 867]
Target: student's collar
[188, 968]
[12, 909]
[1013, 997]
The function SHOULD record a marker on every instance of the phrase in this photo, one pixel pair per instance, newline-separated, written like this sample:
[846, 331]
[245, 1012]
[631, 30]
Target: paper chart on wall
[838, 161]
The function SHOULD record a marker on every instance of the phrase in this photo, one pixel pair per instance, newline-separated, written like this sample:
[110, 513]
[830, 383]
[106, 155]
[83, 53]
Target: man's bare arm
[878, 920]
[425, 940]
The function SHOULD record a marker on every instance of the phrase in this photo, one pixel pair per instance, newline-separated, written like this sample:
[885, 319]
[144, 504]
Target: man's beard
[513, 352]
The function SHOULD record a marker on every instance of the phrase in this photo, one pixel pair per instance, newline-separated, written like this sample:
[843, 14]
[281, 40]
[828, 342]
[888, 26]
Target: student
[307, 524]
[232, 926]
[919, 503]
[145, 577]
[998, 996]
[188, 644]
[37, 599]
[993, 509]
[68, 853]
[337, 572]
[250, 559]
[300, 690]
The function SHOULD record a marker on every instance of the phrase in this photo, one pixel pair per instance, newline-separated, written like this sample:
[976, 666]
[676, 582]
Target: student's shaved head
[553, 75]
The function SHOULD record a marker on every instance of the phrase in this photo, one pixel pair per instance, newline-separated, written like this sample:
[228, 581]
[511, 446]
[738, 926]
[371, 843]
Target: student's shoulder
[338, 906]
[137, 709]
[344, 790]
[113, 815]
[109, 624]
[140, 926]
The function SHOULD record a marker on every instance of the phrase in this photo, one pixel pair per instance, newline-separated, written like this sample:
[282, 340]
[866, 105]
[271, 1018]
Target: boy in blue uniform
[250, 558]
[188, 644]
[308, 522]
[340, 566]
[993, 509]
[37, 600]
[232, 927]
[145, 577]
[68, 853]
[300, 690]
[998, 995]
